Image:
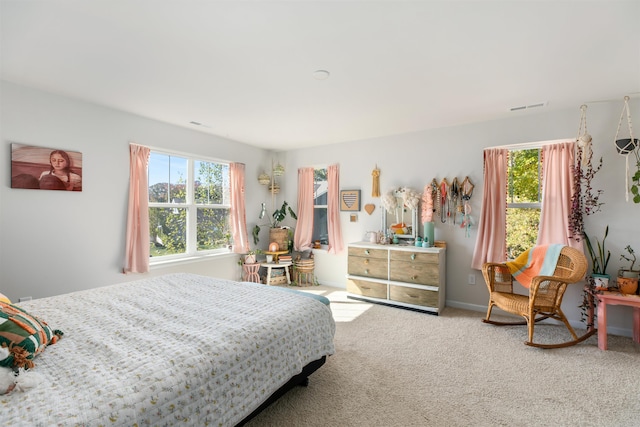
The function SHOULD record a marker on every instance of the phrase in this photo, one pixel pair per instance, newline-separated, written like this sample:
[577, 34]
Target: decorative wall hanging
[350, 200]
[626, 146]
[45, 168]
[375, 186]
[369, 208]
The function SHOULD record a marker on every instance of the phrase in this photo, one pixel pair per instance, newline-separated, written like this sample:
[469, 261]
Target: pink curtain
[333, 210]
[491, 245]
[557, 192]
[137, 239]
[238, 215]
[304, 228]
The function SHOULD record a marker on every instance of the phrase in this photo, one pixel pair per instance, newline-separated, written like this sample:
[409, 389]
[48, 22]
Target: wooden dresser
[403, 276]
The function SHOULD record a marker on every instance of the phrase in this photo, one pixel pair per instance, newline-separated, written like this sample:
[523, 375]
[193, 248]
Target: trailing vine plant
[585, 201]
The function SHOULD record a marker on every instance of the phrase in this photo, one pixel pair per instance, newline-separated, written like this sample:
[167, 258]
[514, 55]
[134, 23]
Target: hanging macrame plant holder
[584, 139]
[626, 146]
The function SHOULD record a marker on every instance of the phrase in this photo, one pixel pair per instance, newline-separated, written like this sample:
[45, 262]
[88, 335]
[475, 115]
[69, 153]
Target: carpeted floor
[395, 367]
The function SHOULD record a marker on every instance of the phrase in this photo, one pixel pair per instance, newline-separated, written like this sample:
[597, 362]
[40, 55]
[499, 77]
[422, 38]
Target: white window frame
[191, 251]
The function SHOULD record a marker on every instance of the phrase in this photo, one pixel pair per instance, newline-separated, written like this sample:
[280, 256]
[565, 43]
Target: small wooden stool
[251, 272]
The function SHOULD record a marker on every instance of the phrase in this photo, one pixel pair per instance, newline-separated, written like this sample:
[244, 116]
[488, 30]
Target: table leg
[268, 281]
[602, 325]
[286, 271]
[636, 324]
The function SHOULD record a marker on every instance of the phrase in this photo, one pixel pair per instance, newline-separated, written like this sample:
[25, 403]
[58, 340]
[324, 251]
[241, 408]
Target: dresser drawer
[368, 267]
[414, 272]
[368, 253]
[417, 257]
[413, 296]
[367, 289]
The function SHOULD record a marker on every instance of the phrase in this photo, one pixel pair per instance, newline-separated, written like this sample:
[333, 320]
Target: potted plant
[277, 217]
[599, 260]
[629, 272]
[628, 278]
[249, 257]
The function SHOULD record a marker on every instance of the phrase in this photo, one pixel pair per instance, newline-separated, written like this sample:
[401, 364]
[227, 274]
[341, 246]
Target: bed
[175, 349]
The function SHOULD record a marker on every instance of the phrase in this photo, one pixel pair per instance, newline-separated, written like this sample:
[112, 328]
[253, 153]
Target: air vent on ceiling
[527, 107]
[193, 122]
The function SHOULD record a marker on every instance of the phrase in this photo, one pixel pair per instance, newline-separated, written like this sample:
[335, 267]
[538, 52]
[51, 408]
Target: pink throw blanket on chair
[537, 261]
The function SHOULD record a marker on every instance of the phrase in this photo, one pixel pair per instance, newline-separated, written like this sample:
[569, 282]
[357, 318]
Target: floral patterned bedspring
[175, 349]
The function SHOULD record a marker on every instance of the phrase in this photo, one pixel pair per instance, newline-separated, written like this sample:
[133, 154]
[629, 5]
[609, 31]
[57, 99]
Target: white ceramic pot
[601, 280]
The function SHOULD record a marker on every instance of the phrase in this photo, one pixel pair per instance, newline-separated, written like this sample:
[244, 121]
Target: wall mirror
[397, 216]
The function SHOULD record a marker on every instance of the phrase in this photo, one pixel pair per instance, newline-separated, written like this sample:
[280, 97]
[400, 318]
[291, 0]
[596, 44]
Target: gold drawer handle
[366, 261]
[414, 278]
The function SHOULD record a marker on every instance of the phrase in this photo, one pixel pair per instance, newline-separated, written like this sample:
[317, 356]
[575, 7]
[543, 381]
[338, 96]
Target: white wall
[56, 242]
[415, 159]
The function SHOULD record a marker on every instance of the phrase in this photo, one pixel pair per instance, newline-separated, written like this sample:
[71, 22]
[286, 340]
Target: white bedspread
[176, 349]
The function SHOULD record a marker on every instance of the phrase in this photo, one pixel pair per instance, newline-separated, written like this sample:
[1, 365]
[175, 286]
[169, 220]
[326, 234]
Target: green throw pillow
[23, 335]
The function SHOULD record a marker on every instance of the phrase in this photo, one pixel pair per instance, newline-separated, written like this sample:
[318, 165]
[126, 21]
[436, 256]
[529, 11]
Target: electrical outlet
[23, 299]
[472, 279]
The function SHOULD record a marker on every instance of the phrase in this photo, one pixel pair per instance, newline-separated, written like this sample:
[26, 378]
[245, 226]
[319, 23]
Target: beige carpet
[395, 367]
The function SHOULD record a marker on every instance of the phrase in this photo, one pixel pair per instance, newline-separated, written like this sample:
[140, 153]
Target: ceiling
[245, 70]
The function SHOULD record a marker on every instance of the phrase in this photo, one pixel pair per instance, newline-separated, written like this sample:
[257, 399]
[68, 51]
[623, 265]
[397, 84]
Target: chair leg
[566, 323]
[489, 310]
[531, 323]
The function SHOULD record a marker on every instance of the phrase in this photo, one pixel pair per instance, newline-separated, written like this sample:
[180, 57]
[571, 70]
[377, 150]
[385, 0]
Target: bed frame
[302, 379]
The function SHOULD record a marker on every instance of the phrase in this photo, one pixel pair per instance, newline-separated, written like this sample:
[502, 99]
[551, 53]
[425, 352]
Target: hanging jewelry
[455, 198]
[444, 187]
[435, 193]
[467, 192]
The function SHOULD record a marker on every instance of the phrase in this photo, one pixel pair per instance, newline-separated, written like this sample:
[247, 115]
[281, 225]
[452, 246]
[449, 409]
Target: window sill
[189, 259]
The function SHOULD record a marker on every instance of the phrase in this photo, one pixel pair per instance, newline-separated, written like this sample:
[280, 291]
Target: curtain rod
[530, 145]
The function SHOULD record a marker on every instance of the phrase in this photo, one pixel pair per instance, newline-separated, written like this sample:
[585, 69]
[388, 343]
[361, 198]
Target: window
[320, 189]
[523, 200]
[188, 205]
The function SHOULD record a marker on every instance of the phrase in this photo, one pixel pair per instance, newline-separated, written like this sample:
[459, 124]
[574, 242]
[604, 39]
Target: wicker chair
[545, 294]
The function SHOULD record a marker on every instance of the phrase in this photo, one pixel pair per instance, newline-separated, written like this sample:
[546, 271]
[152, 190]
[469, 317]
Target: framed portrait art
[42, 168]
[350, 200]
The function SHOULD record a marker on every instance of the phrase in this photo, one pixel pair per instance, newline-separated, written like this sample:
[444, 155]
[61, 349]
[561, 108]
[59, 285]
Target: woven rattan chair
[545, 294]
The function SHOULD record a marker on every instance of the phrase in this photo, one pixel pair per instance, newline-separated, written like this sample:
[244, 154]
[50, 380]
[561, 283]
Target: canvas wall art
[43, 168]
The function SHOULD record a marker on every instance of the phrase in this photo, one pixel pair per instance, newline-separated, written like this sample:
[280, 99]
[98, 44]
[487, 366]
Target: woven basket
[281, 237]
[278, 280]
